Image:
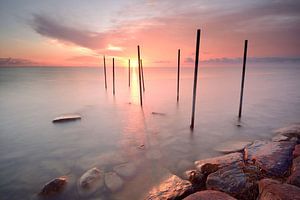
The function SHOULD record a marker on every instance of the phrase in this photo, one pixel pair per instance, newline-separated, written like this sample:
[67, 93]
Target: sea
[115, 130]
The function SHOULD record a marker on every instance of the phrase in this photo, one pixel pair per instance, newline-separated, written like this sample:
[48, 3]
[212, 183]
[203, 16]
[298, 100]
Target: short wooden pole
[129, 72]
[113, 76]
[140, 82]
[178, 74]
[243, 78]
[142, 70]
[104, 67]
[195, 78]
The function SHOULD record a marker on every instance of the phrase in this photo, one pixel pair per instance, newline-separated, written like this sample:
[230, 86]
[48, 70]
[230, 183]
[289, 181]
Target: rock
[170, 189]
[113, 182]
[290, 131]
[54, 186]
[158, 113]
[209, 195]
[296, 151]
[90, 181]
[197, 178]
[274, 158]
[153, 154]
[232, 180]
[126, 170]
[210, 165]
[279, 138]
[234, 146]
[270, 189]
[294, 178]
[66, 118]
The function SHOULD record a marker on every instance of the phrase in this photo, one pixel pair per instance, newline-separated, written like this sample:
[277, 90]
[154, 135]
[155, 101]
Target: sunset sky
[79, 32]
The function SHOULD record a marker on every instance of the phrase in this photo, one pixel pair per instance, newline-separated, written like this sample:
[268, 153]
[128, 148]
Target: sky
[79, 33]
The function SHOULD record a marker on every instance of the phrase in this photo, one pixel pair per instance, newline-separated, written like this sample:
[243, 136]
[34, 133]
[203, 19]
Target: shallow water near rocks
[114, 130]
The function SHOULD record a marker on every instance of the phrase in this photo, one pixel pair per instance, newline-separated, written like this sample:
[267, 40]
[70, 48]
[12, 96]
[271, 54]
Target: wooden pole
[140, 82]
[104, 67]
[178, 74]
[113, 76]
[142, 70]
[195, 78]
[129, 72]
[243, 77]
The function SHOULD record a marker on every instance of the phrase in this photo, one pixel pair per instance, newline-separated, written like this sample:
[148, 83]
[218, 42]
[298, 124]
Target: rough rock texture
[274, 158]
[54, 186]
[270, 190]
[233, 181]
[296, 151]
[197, 178]
[290, 131]
[126, 170]
[113, 182]
[209, 195]
[90, 181]
[232, 146]
[66, 118]
[172, 188]
[294, 178]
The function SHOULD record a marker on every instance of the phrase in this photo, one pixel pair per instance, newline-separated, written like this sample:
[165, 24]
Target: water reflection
[134, 89]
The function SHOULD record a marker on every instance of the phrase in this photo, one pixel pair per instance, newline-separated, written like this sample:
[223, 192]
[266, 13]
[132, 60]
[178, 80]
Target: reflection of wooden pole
[178, 72]
[140, 82]
[113, 76]
[195, 78]
[142, 70]
[243, 78]
[104, 66]
[129, 72]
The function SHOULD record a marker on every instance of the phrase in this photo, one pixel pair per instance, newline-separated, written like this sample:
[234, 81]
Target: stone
[274, 158]
[66, 118]
[125, 170]
[296, 151]
[232, 180]
[90, 181]
[232, 146]
[210, 165]
[197, 178]
[279, 138]
[158, 113]
[290, 131]
[294, 178]
[113, 182]
[209, 195]
[171, 188]
[270, 189]
[54, 186]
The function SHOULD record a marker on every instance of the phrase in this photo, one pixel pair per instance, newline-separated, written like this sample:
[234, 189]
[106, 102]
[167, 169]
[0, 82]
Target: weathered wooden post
[104, 67]
[243, 77]
[113, 76]
[129, 72]
[140, 81]
[195, 78]
[178, 74]
[142, 70]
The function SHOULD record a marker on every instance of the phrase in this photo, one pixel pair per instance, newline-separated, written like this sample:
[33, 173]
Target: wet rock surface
[209, 195]
[66, 118]
[270, 189]
[113, 182]
[232, 146]
[294, 178]
[290, 131]
[272, 157]
[54, 186]
[90, 181]
[172, 187]
[296, 151]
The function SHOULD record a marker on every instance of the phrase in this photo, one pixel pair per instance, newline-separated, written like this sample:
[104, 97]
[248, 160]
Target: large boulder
[172, 188]
[91, 181]
[209, 195]
[54, 186]
[234, 181]
[274, 158]
[294, 178]
[270, 189]
[296, 151]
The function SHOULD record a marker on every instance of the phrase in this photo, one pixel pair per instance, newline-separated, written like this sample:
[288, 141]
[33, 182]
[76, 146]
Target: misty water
[115, 129]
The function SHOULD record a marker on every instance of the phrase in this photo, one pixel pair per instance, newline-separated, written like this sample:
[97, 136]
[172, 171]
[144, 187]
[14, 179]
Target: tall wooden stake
[195, 78]
[129, 72]
[104, 67]
[140, 81]
[113, 76]
[142, 70]
[178, 74]
[243, 78]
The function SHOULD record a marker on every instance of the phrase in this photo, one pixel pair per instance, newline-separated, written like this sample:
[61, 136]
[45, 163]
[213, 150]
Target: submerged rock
[113, 182]
[90, 181]
[66, 118]
[54, 186]
[126, 170]
[290, 131]
[170, 189]
[234, 146]
[209, 195]
[274, 158]
[158, 113]
[270, 189]
[294, 178]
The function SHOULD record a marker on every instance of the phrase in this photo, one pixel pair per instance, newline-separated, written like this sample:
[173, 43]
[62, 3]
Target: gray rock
[66, 118]
[232, 146]
[209, 195]
[90, 181]
[113, 182]
[170, 189]
[274, 158]
[294, 178]
[290, 131]
[126, 170]
[54, 186]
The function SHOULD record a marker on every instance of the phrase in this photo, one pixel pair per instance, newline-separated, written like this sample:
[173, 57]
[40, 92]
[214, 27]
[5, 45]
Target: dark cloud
[4, 62]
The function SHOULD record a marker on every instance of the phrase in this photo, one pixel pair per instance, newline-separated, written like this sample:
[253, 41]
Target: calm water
[33, 150]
